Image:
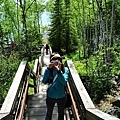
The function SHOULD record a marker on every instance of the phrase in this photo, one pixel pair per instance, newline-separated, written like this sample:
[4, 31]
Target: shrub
[8, 69]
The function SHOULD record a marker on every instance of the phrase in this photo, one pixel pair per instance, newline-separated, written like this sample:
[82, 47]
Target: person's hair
[53, 54]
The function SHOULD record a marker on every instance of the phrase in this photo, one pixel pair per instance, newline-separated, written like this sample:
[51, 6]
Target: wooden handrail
[73, 102]
[17, 94]
[84, 103]
[9, 103]
[36, 70]
[21, 114]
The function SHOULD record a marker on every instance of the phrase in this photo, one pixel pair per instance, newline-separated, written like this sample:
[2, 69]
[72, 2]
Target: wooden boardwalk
[36, 104]
[35, 108]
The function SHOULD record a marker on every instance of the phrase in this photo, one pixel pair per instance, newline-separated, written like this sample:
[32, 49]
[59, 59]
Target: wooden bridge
[19, 105]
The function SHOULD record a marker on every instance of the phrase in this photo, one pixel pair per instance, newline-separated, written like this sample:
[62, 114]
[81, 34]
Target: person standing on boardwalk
[56, 91]
[47, 48]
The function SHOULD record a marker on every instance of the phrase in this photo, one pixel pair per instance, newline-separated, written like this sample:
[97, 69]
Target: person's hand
[58, 66]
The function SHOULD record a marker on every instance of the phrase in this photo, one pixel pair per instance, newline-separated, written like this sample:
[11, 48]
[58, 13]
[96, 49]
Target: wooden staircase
[36, 106]
[36, 103]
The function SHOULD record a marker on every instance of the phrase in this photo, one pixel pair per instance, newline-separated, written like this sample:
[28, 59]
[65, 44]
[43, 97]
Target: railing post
[36, 70]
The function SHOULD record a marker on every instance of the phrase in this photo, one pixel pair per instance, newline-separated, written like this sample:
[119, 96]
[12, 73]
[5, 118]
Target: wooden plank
[36, 107]
[95, 114]
[36, 66]
[11, 96]
[38, 103]
[73, 103]
[21, 114]
[39, 111]
[36, 97]
[41, 117]
[5, 116]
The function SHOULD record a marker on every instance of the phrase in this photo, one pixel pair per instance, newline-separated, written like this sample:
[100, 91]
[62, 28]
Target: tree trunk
[22, 5]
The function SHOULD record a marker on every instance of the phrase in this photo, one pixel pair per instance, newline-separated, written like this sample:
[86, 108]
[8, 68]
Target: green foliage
[99, 73]
[31, 90]
[116, 59]
[75, 56]
[8, 69]
[62, 32]
[31, 64]
[81, 68]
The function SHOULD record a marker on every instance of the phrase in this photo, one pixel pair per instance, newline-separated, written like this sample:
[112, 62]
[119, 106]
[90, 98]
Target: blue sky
[45, 15]
[45, 18]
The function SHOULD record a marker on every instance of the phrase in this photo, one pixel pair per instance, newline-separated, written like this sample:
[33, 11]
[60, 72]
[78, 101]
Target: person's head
[55, 56]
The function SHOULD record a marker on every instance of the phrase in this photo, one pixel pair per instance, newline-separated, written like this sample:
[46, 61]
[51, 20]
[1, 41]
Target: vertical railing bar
[20, 117]
[73, 102]
[21, 96]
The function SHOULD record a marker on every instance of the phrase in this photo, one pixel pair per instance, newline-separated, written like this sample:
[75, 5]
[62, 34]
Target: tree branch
[30, 5]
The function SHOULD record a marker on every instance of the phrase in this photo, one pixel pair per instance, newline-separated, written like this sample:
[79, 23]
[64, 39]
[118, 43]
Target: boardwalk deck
[36, 104]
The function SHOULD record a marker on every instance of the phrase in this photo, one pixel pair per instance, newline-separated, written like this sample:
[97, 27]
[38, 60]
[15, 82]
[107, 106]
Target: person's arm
[45, 76]
[47, 73]
[63, 77]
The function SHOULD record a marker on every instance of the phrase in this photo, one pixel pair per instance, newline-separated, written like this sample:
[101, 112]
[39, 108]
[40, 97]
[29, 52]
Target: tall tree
[63, 33]
[55, 31]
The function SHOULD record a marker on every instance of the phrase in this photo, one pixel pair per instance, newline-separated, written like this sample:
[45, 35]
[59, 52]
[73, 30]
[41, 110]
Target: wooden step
[36, 104]
[39, 111]
[40, 117]
[36, 108]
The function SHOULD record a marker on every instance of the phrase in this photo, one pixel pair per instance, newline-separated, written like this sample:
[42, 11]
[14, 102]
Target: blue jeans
[50, 102]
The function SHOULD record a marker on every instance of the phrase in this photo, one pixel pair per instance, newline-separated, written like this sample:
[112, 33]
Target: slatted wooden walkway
[36, 104]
